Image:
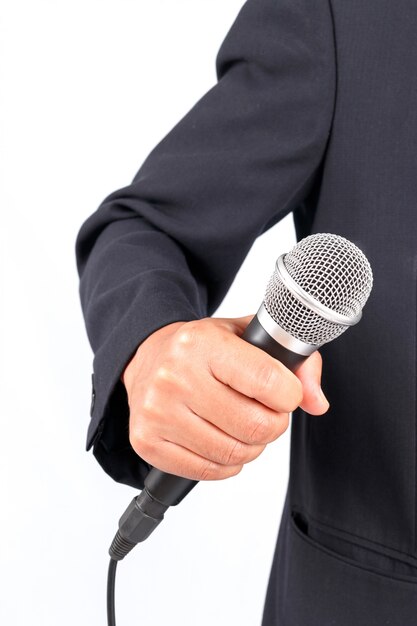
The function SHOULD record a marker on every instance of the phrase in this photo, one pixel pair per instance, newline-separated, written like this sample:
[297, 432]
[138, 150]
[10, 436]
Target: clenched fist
[203, 402]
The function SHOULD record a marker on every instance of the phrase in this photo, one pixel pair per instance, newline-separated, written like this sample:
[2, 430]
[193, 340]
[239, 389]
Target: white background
[88, 88]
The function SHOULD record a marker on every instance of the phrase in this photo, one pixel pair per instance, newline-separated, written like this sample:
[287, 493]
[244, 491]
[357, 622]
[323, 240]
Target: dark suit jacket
[314, 112]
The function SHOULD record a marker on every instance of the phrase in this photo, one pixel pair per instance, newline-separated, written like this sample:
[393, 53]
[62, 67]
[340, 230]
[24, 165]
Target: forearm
[168, 246]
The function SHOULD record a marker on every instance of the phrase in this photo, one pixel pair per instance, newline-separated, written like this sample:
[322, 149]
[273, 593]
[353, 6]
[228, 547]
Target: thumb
[309, 373]
[238, 324]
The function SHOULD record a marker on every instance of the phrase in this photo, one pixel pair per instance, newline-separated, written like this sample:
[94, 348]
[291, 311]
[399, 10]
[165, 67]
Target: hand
[203, 402]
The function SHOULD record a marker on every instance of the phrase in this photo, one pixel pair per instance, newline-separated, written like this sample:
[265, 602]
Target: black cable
[111, 578]
[141, 517]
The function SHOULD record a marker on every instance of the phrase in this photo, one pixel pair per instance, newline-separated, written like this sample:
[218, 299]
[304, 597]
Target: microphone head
[319, 288]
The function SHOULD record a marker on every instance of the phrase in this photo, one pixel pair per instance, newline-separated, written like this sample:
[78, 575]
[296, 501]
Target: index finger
[256, 374]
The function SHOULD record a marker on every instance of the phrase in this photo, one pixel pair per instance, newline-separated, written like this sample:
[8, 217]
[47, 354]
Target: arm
[167, 247]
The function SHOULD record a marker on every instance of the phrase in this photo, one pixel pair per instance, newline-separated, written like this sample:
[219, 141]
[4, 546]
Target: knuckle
[183, 343]
[165, 375]
[207, 471]
[277, 379]
[149, 404]
[266, 376]
[162, 373]
[187, 334]
[260, 430]
[267, 428]
[210, 470]
[236, 453]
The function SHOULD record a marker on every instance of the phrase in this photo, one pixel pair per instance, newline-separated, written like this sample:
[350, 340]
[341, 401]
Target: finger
[309, 373]
[213, 412]
[255, 374]
[243, 418]
[190, 431]
[174, 459]
[238, 325]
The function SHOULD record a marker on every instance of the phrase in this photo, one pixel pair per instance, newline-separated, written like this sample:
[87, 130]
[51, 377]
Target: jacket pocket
[356, 550]
[312, 584]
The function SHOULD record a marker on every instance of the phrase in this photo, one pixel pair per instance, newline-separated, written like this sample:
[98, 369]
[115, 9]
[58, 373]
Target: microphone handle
[162, 490]
[169, 489]
[256, 334]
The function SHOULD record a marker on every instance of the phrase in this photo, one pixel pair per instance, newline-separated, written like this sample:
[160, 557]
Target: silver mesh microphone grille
[334, 272]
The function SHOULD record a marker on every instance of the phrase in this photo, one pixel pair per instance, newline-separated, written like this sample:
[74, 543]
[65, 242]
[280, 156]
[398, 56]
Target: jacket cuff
[108, 431]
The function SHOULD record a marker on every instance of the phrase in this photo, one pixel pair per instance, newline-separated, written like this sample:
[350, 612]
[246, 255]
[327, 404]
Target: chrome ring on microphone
[310, 302]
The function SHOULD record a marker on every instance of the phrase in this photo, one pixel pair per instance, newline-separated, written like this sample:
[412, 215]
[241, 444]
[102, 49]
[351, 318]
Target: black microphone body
[169, 489]
[317, 291]
[161, 489]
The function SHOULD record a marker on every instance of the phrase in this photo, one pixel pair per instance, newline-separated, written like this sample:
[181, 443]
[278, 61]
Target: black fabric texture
[167, 247]
[314, 112]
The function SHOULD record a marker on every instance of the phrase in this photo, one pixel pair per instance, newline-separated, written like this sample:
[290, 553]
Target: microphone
[316, 292]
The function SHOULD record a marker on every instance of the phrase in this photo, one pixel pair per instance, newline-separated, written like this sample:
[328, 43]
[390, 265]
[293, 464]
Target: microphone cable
[142, 516]
[121, 546]
[316, 292]
[111, 579]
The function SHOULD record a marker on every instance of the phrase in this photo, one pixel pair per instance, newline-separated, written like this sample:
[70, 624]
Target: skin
[203, 402]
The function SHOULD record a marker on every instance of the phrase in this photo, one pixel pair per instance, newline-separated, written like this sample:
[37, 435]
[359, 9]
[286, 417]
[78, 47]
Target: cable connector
[139, 520]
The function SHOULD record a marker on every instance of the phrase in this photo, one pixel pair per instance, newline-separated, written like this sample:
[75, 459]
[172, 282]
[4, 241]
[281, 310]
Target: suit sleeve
[167, 247]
